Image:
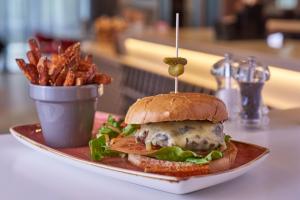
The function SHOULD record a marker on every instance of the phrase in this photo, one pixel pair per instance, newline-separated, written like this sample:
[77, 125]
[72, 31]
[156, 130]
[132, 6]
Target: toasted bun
[182, 168]
[176, 107]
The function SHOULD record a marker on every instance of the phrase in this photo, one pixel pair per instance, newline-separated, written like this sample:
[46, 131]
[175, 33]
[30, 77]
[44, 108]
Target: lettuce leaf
[173, 153]
[113, 122]
[199, 161]
[130, 129]
[213, 155]
[177, 154]
[108, 131]
[227, 138]
[99, 149]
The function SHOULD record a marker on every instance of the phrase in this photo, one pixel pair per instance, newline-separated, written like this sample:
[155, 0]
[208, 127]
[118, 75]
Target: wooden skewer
[176, 43]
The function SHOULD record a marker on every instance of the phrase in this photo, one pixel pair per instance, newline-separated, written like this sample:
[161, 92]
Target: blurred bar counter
[203, 40]
[139, 71]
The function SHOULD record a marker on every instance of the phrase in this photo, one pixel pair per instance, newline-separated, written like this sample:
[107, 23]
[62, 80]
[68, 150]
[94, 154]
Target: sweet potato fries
[66, 68]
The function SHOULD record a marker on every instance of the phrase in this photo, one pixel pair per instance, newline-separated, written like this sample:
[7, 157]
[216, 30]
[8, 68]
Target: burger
[178, 134]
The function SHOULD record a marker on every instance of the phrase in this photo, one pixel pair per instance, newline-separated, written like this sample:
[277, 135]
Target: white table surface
[27, 174]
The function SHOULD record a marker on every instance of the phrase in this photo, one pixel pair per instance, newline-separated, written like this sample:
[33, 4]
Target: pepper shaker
[251, 77]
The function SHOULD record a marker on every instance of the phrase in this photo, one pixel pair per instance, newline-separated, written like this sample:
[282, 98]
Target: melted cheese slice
[193, 135]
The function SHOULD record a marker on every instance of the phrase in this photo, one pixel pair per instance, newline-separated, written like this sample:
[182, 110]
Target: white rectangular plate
[79, 157]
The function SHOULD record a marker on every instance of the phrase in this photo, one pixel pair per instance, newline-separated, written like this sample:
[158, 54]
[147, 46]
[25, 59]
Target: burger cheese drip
[192, 135]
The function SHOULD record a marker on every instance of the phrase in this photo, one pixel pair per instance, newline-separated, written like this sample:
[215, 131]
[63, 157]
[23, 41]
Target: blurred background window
[286, 4]
[21, 19]
[65, 21]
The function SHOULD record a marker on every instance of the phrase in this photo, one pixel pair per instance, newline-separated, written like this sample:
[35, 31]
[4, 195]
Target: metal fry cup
[66, 114]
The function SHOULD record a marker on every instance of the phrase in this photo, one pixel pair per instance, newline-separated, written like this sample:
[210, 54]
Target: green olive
[176, 70]
[175, 60]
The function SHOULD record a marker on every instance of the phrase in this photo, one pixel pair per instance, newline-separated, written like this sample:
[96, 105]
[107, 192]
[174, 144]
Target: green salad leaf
[106, 130]
[199, 161]
[130, 129]
[177, 154]
[213, 155]
[110, 119]
[113, 122]
[111, 127]
[99, 148]
[173, 153]
[227, 138]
